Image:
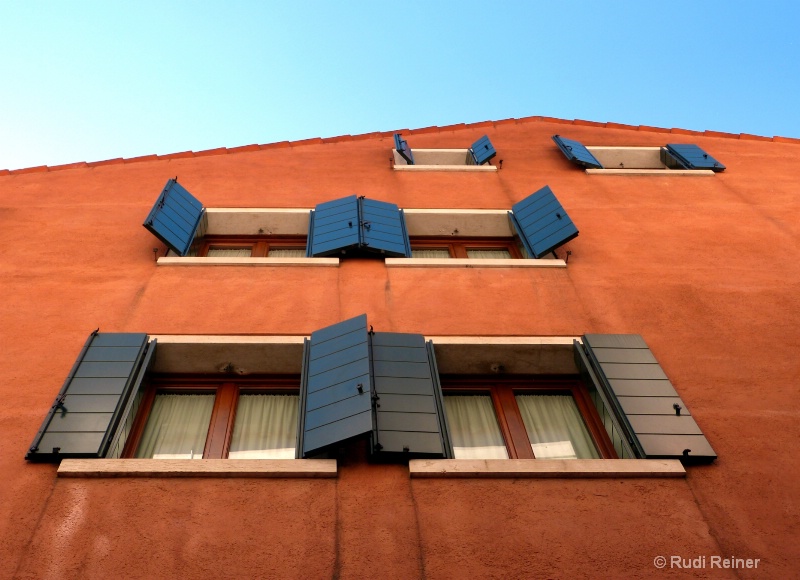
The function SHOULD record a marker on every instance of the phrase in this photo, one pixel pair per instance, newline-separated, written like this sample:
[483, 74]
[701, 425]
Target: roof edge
[379, 134]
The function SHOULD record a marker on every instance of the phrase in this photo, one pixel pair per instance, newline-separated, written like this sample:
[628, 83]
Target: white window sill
[546, 468]
[178, 261]
[473, 263]
[289, 468]
[695, 172]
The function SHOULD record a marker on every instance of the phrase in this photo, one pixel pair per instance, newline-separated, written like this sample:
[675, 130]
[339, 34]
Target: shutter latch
[677, 408]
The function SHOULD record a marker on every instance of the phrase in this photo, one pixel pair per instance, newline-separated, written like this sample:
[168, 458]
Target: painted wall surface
[707, 269]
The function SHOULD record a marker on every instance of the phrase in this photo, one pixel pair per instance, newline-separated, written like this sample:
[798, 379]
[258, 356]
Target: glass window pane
[474, 431]
[287, 253]
[489, 254]
[555, 427]
[177, 427]
[430, 253]
[229, 252]
[265, 427]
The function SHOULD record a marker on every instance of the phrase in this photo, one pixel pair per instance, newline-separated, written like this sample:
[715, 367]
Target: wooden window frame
[458, 246]
[223, 416]
[503, 390]
[259, 245]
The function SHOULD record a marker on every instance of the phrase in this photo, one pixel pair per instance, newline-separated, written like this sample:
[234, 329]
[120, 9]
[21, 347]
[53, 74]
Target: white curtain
[177, 427]
[265, 427]
[229, 252]
[474, 431]
[430, 253]
[297, 253]
[555, 427]
[489, 254]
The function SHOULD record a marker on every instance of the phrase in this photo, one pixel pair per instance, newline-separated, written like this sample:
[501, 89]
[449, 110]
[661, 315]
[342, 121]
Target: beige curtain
[430, 253]
[177, 427]
[265, 428]
[555, 427]
[474, 431]
[298, 253]
[229, 252]
[489, 254]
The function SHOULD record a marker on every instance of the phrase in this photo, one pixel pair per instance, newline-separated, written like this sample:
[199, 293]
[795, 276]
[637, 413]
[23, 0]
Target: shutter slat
[93, 399]
[176, 218]
[387, 221]
[542, 222]
[645, 400]
[482, 150]
[403, 149]
[693, 157]
[409, 421]
[334, 227]
[336, 362]
[577, 153]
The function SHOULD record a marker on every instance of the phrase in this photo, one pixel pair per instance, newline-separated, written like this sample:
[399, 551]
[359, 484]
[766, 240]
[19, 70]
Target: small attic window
[686, 159]
[476, 158]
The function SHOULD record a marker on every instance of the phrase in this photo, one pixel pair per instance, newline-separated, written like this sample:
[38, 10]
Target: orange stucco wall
[707, 269]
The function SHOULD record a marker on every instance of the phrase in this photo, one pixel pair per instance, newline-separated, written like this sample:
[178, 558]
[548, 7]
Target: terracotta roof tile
[105, 162]
[382, 134]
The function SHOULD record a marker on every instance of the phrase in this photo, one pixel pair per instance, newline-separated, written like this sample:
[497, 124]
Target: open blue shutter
[577, 153]
[334, 227]
[384, 228]
[541, 223]
[177, 218]
[403, 149]
[692, 157]
[482, 150]
[646, 406]
[410, 418]
[336, 392]
[83, 421]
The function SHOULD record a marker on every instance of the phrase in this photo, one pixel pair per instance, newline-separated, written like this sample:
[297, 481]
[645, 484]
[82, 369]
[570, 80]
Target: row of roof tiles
[434, 129]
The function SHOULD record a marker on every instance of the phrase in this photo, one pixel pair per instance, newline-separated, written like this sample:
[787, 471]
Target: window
[476, 158]
[463, 247]
[675, 158]
[523, 419]
[381, 386]
[252, 247]
[215, 418]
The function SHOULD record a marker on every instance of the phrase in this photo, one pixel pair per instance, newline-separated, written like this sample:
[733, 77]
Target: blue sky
[86, 81]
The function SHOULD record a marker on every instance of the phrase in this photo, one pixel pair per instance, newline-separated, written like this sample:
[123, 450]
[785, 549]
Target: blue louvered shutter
[410, 418]
[403, 149]
[692, 157]
[482, 150]
[384, 228]
[177, 218]
[97, 396]
[577, 153]
[646, 408]
[334, 227]
[336, 386]
[541, 223]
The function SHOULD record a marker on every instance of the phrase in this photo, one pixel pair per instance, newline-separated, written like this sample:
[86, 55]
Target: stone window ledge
[277, 262]
[696, 172]
[286, 468]
[472, 263]
[545, 468]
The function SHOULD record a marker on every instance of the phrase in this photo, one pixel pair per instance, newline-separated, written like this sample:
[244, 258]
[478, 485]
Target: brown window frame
[458, 246]
[258, 245]
[223, 415]
[503, 390]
